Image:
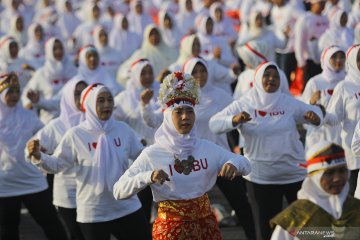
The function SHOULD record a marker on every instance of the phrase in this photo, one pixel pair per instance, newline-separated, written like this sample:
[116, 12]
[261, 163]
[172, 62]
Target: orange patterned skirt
[186, 219]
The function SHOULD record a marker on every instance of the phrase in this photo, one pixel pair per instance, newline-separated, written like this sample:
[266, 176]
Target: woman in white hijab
[34, 51]
[11, 62]
[138, 18]
[64, 187]
[253, 54]
[128, 102]
[219, 75]
[223, 26]
[170, 32]
[67, 21]
[338, 33]
[319, 90]
[154, 49]
[122, 39]
[99, 149]
[344, 109]
[267, 118]
[17, 30]
[186, 16]
[110, 58]
[21, 182]
[12, 8]
[42, 91]
[180, 186]
[92, 71]
[213, 47]
[257, 30]
[323, 204]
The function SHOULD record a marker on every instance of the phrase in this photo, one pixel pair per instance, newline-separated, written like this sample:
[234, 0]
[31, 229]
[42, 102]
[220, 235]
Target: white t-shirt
[272, 142]
[209, 160]
[78, 148]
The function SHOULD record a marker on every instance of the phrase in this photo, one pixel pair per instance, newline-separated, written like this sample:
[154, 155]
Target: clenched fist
[228, 171]
[34, 149]
[159, 176]
[242, 117]
[312, 117]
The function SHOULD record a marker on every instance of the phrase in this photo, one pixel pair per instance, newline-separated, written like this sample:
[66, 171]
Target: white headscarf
[97, 75]
[342, 36]
[257, 97]
[34, 49]
[311, 188]
[5, 49]
[62, 70]
[171, 36]
[106, 163]
[70, 115]
[186, 18]
[134, 87]
[160, 56]
[21, 37]
[67, 21]
[328, 71]
[123, 40]
[208, 41]
[353, 72]
[101, 48]
[253, 30]
[186, 45]
[138, 23]
[169, 138]
[253, 53]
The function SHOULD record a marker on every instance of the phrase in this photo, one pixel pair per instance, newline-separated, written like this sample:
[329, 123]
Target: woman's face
[77, 94]
[19, 24]
[343, 19]
[200, 74]
[271, 80]
[218, 14]
[58, 50]
[278, 3]
[39, 33]
[318, 7]
[334, 179]
[92, 60]
[188, 5]
[14, 49]
[12, 97]
[183, 118]
[337, 61]
[167, 22]
[104, 105]
[139, 8]
[68, 6]
[259, 21]
[154, 37]
[196, 47]
[147, 76]
[209, 26]
[96, 12]
[103, 37]
[125, 24]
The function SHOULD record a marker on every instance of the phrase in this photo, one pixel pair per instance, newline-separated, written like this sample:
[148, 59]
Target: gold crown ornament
[8, 80]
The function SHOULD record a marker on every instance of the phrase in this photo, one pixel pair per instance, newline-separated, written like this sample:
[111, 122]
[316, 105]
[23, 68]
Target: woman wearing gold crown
[180, 168]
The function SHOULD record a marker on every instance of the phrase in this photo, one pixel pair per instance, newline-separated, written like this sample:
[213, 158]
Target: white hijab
[21, 37]
[138, 23]
[186, 45]
[160, 56]
[106, 163]
[353, 72]
[101, 48]
[97, 75]
[257, 97]
[169, 138]
[70, 115]
[5, 49]
[207, 41]
[186, 18]
[62, 70]
[34, 49]
[311, 190]
[342, 36]
[171, 36]
[67, 21]
[134, 87]
[330, 75]
[253, 53]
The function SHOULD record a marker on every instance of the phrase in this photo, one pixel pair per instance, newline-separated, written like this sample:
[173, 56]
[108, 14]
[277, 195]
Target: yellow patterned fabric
[186, 219]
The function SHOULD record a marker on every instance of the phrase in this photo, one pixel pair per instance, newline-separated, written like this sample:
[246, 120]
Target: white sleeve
[241, 163]
[151, 118]
[355, 143]
[135, 147]
[62, 159]
[136, 178]
[280, 234]
[335, 111]
[221, 74]
[300, 42]
[302, 108]
[308, 92]
[49, 104]
[222, 121]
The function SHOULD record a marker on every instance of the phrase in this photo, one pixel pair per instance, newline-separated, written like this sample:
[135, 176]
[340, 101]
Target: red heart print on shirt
[330, 91]
[94, 144]
[56, 81]
[262, 113]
